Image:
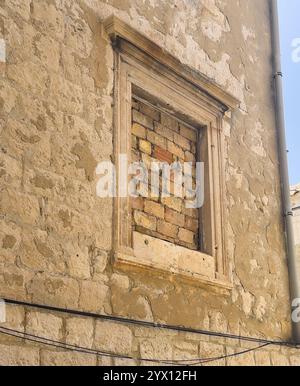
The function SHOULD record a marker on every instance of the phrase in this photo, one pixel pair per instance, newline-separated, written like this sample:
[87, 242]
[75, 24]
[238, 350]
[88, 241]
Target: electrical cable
[150, 324]
[210, 360]
[69, 347]
[85, 350]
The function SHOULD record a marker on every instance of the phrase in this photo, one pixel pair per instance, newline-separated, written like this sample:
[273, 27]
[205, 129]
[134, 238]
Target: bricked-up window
[165, 111]
[158, 136]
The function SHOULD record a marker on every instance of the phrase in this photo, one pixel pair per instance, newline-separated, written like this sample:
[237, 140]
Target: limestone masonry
[56, 235]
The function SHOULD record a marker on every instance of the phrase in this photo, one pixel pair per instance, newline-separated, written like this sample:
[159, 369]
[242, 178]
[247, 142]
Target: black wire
[149, 324]
[210, 360]
[85, 350]
[66, 346]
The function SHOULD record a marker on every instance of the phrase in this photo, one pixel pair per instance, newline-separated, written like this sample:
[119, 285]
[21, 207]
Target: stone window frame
[141, 66]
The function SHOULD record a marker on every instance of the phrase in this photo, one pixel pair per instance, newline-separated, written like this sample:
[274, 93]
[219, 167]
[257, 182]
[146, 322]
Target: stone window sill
[158, 255]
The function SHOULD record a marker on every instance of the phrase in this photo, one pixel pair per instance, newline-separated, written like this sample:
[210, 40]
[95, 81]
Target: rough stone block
[44, 325]
[92, 296]
[19, 356]
[80, 332]
[113, 337]
[67, 358]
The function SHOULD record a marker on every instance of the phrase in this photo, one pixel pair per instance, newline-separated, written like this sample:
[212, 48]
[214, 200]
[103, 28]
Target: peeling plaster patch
[260, 308]
[2, 51]
[213, 23]
[212, 30]
[253, 266]
[248, 33]
[257, 145]
[248, 301]
[2, 311]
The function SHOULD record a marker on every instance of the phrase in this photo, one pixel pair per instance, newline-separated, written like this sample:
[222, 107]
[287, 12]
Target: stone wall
[126, 340]
[56, 124]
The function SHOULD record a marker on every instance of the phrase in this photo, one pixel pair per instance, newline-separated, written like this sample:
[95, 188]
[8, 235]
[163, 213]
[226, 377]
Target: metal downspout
[294, 281]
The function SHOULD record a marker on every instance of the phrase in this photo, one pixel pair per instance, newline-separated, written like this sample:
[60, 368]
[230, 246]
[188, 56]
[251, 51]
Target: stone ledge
[158, 255]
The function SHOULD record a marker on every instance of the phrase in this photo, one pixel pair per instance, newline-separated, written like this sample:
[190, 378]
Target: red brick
[163, 155]
[137, 203]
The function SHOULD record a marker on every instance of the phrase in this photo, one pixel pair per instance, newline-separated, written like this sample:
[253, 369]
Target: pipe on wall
[294, 281]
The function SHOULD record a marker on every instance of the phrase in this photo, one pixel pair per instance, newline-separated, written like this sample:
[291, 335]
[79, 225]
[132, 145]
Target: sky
[289, 12]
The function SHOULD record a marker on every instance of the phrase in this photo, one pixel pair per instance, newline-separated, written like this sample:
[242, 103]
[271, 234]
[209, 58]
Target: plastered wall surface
[56, 125]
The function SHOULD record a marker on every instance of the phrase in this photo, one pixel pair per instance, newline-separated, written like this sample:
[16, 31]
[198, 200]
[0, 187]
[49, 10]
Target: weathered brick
[182, 142]
[135, 105]
[188, 133]
[189, 157]
[191, 224]
[137, 203]
[147, 160]
[156, 139]
[176, 150]
[144, 220]
[186, 236]
[139, 131]
[142, 119]
[170, 122]
[194, 213]
[164, 131]
[174, 217]
[162, 155]
[150, 111]
[145, 147]
[154, 209]
[174, 203]
[134, 142]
